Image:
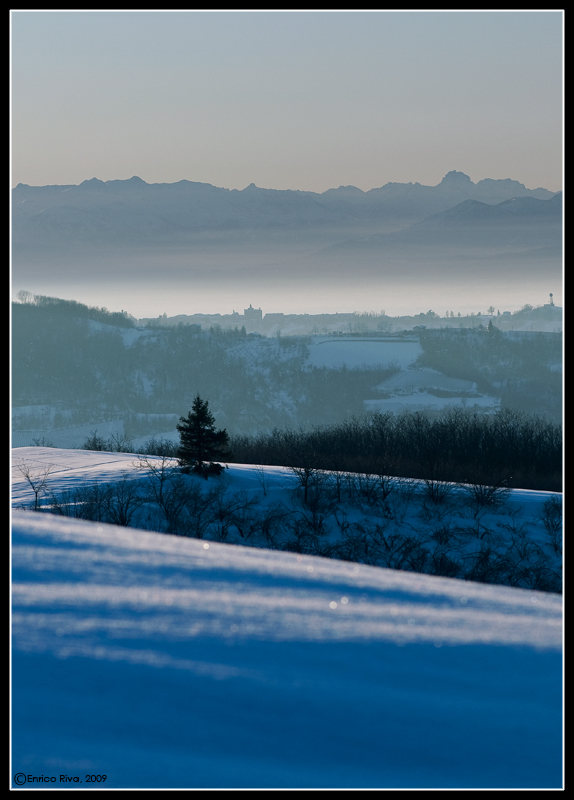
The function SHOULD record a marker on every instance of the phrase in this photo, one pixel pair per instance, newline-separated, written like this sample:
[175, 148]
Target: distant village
[546, 317]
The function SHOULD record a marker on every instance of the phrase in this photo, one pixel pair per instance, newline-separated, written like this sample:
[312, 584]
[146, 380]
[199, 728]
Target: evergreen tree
[200, 442]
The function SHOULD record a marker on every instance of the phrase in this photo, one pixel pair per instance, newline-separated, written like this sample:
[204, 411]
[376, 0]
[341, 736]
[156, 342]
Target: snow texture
[163, 661]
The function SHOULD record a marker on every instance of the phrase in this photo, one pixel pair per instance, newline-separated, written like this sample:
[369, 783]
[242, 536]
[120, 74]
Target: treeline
[59, 358]
[72, 308]
[92, 372]
[524, 370]
[508, 448]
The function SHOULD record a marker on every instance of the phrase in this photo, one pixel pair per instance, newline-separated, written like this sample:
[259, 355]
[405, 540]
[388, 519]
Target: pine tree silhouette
[200, 442]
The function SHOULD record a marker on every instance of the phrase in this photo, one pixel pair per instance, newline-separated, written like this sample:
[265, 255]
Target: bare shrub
[262, 478]
[90, 502]
[517, 527]
[122, 500]
[387, 485]
[335, 484]
[198, 511]
[402, 498]
[482, 497]
[366, 489]
[95, 442]
[165, 487]
[543, 578]
[441, 562]
[116, 443]
[159, 447]
[482, 532]
[64, 504]
[271, 523]
[437, 492]
[431, 512]
[524, 549]
[43, 442]
[172, 502]
[310, 522]
[245, 518]
[353, 542]
[395, 549]
[417, 559]
[358, 545]
[444, 532]
[232, 510]
[327, 550]
[301, 539]
[93, 502]
[551, 518]
[313, 482]
[120, 443]
[485, 566]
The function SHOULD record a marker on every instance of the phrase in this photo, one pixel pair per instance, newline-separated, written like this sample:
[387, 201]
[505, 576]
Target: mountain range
[308, 250]
[127, 211]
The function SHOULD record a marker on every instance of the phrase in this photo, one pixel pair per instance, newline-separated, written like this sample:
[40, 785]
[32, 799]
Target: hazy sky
[287, 100]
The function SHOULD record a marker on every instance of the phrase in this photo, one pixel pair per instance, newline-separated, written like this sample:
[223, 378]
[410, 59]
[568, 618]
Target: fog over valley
[193, 247]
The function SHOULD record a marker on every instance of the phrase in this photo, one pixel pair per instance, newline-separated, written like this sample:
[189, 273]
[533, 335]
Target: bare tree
[123, 501]
[244, 516]
[436, 491]
[120, 443]
[233, 510]
[272, 523]
[262, 478]
[92, 501]
[199, 510]
[552, 520]
[160, 473]
[306, 477]
[402, 498]
[41, 441]
[25, 297]
[36, 478]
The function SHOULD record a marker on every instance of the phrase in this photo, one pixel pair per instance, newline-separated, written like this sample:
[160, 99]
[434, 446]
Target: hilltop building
[253, 314]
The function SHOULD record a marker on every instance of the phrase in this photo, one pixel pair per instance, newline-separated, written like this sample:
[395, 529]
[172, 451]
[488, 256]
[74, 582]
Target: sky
[287, 100]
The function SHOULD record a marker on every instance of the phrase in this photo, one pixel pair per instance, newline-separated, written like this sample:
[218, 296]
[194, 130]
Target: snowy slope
[515, 539]
[165, 661]
[168, 662]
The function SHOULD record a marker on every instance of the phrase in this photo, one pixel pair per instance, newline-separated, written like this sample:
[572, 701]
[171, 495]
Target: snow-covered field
[422, 389]
[166, 661]
[357, 352]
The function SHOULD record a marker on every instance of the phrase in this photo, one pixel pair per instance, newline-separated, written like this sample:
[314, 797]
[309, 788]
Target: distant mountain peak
[343, 192]
[455, 178]
[92, 182]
